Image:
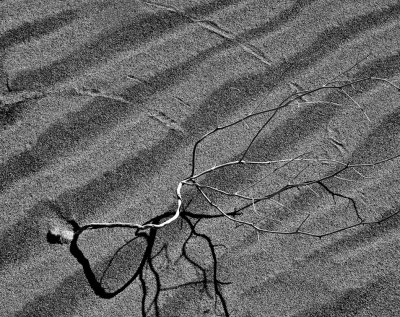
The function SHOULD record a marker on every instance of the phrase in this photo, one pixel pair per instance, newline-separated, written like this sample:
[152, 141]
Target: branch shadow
[149, 271]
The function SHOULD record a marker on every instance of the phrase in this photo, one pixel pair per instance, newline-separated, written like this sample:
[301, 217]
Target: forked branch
[196, 180]
[192, 179]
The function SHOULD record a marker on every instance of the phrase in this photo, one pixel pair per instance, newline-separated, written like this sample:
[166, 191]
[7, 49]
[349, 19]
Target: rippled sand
[101, 105]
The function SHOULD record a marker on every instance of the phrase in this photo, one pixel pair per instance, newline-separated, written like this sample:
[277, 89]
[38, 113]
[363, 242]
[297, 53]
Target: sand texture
[101, 104]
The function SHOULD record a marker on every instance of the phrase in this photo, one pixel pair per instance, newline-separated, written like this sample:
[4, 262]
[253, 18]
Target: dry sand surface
[101, 105]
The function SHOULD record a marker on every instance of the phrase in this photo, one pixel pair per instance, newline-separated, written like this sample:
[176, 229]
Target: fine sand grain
[101, 103]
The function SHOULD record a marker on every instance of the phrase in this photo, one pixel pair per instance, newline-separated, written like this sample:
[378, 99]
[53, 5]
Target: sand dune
[101, 105]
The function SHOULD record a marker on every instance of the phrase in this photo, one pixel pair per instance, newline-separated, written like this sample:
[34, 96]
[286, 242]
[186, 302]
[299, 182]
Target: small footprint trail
[154, 114]
[214, 28]
[13, 103]
[12, 98]
[213, 58]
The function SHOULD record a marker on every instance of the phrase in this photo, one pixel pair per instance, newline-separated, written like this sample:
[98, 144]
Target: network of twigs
[148, 230]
